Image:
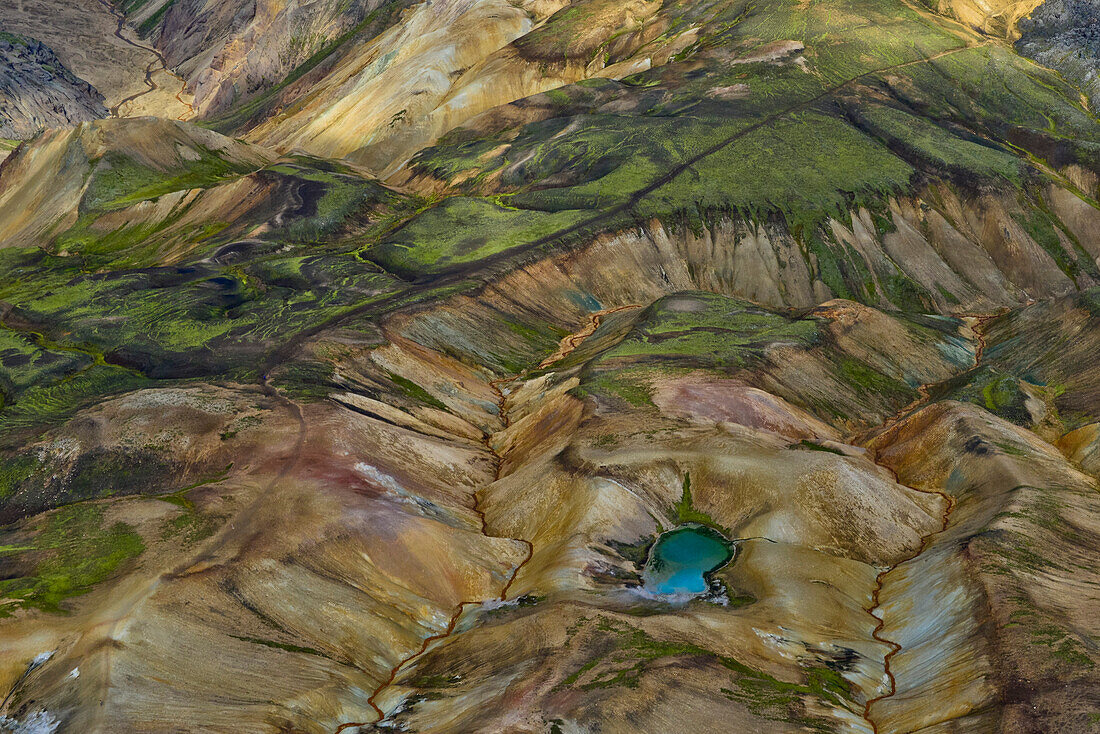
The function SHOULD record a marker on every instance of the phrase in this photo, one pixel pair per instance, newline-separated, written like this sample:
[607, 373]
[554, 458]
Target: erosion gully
[568, 345]
[924, 396]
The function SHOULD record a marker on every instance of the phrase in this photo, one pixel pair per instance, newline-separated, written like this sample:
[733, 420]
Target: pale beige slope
[996, 17]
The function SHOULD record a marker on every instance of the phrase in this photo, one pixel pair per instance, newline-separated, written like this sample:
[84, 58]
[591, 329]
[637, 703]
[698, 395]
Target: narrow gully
[568, 345]
[926, 541]
[498, 464]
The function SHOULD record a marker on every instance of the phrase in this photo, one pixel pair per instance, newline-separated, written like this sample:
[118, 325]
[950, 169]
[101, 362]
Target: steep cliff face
[37, 91]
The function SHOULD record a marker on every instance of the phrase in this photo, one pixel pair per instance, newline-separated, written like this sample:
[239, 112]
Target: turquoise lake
[680, 559]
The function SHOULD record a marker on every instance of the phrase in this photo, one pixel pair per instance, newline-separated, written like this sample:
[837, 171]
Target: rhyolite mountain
[352, 367]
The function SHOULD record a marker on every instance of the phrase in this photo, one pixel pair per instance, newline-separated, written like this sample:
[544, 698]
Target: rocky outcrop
[37, 91]
[92, 41]
[1065, 35]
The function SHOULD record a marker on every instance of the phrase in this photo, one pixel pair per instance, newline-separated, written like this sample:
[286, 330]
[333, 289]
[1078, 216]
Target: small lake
[680, 560]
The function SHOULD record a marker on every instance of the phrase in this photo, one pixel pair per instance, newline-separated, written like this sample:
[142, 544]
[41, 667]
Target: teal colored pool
[681, 558]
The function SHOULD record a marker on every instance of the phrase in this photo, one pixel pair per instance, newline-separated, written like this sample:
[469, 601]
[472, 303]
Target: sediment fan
[549, 366]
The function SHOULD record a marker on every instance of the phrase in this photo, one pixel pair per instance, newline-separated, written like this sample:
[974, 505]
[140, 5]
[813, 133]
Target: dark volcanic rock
[1065, 35]
[37, 91]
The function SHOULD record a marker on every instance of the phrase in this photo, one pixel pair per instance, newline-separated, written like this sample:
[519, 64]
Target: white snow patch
[492, 604]
[379, 477]
[41, 658]
[40, 722]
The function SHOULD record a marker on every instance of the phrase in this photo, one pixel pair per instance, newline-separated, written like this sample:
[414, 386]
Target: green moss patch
[623, 654]
[417, 393]
[685, 511]
[712, 331]
[462, 230]
[118, 180]
[72, 552]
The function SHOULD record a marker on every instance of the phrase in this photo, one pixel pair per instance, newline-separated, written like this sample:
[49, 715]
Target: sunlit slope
[446, 62]
[996, 17]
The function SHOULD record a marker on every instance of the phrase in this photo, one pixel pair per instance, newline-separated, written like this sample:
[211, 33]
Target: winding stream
[151, 67]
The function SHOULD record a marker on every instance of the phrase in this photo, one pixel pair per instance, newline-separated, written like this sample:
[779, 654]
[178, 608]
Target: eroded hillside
[362, 400]
[38, 91]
